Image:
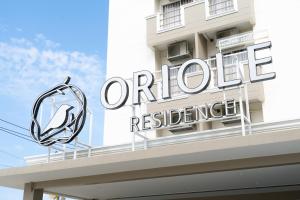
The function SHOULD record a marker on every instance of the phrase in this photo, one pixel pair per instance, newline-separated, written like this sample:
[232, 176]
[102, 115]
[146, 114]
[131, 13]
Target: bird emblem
[65, 119]
[59, 119]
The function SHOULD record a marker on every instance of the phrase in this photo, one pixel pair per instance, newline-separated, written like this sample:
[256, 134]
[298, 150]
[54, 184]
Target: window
[218, 7]
[175, 90]
[183, 2]
[230, 61]
[171, 14]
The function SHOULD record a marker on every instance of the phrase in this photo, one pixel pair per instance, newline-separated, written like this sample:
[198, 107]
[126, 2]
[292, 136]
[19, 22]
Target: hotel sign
[66, 123]
[161, 118]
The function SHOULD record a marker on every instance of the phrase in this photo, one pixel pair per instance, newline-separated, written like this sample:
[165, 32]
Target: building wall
[281, 94]
[127, 52]
[195, 21]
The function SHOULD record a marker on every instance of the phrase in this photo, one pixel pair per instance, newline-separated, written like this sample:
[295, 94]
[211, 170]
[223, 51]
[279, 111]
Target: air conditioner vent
[179, 50]
[227, 33]
[181, 128]
[233, 120]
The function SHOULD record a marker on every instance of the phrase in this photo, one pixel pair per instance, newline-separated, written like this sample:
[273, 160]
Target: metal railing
[258, 128]
[235, 40]
[231, 63]
[175, 90]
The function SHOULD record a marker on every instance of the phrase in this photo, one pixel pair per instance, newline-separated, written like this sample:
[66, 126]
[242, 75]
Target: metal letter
[134, 121]
[165, 118]
[172, 112]
[166, 93]
[123, 97]
[202, 112]
[145, 121]
[188, 112]
[230, 104]
[205, 80]
[221, 79]
[138, 88]
[253, 62]
[213, 108]
[157, 119]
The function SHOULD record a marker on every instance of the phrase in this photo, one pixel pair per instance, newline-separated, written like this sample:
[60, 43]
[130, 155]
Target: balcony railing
[175, 90]
[258, 128]
[231, 64]
[235, 40]
[220, 7]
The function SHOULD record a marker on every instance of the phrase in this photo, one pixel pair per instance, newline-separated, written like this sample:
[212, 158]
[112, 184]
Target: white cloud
[46, 43]
[21, 42]
[28, 67]
[19, 29]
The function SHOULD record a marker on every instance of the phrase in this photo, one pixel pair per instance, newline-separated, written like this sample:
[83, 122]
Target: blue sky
[41, 42]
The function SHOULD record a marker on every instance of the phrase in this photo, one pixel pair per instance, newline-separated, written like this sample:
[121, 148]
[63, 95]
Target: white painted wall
[281, 18]
[127, 52]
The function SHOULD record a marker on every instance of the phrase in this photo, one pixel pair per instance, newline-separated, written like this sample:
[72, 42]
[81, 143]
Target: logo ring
[74, 126]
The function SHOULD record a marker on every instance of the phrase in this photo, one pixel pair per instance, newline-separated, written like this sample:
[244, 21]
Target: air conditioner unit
[181, 128]
[182, 1]
[227, 33]
[231, 120]
[178, 50]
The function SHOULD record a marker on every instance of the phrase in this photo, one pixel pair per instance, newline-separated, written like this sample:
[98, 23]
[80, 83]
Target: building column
[32, 194]
[201, 52]
[200, 46]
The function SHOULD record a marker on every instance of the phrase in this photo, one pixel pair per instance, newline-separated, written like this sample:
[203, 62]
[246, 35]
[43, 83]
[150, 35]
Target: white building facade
[140, 35]
[241, 142]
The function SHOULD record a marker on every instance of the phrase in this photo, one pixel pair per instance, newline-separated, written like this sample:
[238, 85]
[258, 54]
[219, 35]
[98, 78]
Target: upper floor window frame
[166, 23]
[225, 12]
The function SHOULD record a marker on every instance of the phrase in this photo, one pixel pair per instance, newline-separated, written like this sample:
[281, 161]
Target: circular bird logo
[67, 118]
